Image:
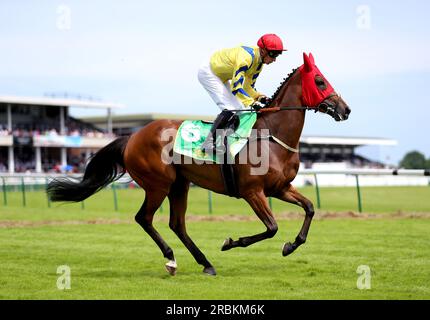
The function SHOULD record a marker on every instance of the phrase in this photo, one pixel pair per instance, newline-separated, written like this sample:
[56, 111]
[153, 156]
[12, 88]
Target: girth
[227, 168]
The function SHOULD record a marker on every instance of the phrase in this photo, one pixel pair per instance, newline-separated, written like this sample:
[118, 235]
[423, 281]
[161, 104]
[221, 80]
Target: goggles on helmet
[273, 54]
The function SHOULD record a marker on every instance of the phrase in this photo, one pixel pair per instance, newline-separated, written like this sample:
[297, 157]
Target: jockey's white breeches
[220, 92]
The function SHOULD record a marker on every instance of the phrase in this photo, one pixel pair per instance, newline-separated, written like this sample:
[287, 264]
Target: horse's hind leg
[291, 195]
[144, 217]
[178, 207]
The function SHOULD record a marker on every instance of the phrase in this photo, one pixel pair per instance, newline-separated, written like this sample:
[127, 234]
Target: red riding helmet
[271, 42]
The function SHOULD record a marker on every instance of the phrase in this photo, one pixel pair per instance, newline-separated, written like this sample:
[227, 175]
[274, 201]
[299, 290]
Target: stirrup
[212, 148]
[207, 145]
[219, 123]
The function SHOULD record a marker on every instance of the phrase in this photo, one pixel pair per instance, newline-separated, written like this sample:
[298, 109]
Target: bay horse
[141, 156]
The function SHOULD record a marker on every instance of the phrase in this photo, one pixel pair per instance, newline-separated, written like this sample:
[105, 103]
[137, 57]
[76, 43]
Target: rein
[324, 107]
[277, 140]
[275, 109]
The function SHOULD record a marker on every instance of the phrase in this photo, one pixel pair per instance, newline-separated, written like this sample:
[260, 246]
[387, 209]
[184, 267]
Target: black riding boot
[220, 122]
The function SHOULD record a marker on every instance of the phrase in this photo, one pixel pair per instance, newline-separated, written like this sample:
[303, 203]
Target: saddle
[192, 133]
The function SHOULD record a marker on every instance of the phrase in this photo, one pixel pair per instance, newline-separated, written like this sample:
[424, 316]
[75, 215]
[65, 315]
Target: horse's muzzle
[341, 114]
[337, 111]
[346, 113]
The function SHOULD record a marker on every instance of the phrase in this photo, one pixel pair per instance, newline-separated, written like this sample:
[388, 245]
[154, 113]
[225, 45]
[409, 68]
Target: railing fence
[33, 182]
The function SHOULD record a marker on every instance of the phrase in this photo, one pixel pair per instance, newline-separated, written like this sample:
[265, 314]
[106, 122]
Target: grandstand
[39, 135]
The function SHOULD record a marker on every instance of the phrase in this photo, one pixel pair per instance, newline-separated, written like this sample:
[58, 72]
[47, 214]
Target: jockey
[230, 78]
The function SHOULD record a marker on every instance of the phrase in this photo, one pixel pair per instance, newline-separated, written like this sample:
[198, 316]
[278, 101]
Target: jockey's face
[268, 56]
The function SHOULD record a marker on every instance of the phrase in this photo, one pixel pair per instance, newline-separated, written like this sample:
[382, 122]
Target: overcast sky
[145, 55]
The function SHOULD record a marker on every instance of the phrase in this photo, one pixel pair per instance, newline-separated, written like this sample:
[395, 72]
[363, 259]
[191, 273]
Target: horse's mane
[280, 86]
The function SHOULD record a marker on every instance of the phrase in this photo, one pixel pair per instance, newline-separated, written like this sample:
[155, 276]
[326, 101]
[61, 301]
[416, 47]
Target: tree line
[415, 160]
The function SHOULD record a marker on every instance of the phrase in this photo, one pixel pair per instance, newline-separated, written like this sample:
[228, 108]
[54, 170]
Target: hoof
[287, 249]
[209, 271]
[228, 244]
[171, 267]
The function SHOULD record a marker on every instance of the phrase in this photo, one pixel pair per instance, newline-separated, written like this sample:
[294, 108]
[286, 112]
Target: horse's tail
[104, 167]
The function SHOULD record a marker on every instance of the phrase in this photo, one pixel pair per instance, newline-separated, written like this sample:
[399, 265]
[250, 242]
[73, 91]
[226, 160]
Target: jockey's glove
[263, 99]
[257, 105]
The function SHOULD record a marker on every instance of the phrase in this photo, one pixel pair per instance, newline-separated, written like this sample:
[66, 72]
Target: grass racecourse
[111, 257]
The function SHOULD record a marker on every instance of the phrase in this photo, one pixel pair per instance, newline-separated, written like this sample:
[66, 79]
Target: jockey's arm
[241, 85]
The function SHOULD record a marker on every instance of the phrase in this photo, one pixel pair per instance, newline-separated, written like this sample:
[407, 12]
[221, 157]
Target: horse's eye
[320, 83]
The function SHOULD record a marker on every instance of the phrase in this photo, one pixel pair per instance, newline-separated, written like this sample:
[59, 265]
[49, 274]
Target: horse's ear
[311, 57]
[307, 62]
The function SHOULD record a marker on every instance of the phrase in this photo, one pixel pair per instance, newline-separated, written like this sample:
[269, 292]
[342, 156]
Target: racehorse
[141, 156]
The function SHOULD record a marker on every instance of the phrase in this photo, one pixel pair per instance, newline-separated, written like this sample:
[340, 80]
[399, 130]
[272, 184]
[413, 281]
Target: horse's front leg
[291, 195]
[259, 203]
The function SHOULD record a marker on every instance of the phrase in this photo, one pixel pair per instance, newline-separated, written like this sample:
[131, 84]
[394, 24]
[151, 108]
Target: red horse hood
[312, 96]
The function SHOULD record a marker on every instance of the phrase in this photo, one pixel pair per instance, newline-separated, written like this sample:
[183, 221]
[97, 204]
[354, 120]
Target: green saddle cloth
[191, 135]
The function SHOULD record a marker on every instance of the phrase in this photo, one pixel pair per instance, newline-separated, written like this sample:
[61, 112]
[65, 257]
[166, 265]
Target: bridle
[326, 106]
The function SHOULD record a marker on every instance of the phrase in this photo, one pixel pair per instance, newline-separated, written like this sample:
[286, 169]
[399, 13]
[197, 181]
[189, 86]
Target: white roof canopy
[347, 141]
[61, 102]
